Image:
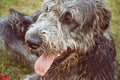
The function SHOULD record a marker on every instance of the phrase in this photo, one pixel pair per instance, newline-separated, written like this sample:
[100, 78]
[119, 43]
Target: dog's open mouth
[49, 59]
[45, 63]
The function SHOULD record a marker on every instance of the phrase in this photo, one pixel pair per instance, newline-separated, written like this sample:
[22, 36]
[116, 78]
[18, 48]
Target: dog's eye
[54, 10]
[66, 18]
[46, 9]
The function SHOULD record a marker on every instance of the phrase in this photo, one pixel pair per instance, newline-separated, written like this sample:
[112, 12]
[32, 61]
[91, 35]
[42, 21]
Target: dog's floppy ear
[102, 16]
[16, 13]
[20, 22]
[26, 19]
[66, 18]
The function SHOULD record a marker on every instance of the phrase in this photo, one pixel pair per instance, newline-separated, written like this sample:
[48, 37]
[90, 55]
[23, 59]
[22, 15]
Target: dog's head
[19, 22]
[16, 24]
[65, 27]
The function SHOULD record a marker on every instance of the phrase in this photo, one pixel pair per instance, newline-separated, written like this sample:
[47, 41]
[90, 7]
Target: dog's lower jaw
[65, 67]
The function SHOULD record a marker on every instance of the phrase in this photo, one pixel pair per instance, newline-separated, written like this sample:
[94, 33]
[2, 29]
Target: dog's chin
[35, 52]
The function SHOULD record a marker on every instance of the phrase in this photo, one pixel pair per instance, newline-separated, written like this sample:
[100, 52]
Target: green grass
[26, 6]
[11, 68]
[115, 24]
[16, 71]
[8, 65]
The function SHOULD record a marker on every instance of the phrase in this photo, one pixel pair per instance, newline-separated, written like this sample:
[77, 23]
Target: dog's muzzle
[45, 63]
[33, 41]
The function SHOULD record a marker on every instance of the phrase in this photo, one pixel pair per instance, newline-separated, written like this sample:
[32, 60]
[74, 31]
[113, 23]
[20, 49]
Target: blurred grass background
[14, 70]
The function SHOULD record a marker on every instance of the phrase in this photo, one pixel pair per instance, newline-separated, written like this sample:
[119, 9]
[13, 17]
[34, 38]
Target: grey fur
[81, 27]
[12, 32]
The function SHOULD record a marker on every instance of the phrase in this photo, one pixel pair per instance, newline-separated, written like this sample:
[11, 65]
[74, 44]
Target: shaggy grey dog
[72, 37]
[74, 42]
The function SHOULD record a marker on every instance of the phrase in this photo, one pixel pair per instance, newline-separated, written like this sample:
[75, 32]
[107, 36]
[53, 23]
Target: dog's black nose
[33, 41]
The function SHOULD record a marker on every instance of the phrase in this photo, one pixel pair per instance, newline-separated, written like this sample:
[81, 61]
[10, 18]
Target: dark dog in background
[12, 32]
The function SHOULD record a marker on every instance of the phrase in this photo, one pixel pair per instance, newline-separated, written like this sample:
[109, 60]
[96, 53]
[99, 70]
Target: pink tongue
[43, 63]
